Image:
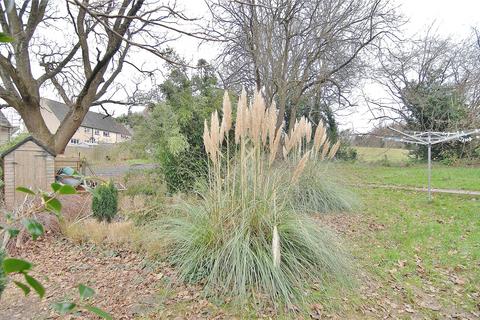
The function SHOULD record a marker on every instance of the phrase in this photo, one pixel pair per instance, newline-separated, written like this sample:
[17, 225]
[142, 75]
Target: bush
[105, 202]
[171, 133]
[347, 153]
[3, 279]
[317, 192]
[180, 171]
[243, 238]
[7, 145]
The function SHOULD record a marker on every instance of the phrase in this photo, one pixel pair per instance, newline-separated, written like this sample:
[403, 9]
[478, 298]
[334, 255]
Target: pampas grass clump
[243, 238]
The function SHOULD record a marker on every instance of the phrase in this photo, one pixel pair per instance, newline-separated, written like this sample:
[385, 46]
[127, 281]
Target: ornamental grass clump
[243, 238]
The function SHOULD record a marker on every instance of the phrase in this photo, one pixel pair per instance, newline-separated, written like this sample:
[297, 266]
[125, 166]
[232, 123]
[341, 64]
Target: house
[6, 129]
[96, 128]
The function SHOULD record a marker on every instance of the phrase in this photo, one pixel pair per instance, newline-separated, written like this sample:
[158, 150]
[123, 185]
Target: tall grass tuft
[243, 238]
[318, 191]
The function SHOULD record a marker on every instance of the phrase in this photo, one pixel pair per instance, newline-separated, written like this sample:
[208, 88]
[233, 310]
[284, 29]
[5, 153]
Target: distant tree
[429, 89]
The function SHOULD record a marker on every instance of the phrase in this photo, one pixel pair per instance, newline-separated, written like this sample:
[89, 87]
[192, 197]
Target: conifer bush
[105, 202]
[244, 238]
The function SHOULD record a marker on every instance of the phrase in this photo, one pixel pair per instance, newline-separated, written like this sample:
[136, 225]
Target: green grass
[418, 248]
[138, 161]
[367, 154]
[443, 177]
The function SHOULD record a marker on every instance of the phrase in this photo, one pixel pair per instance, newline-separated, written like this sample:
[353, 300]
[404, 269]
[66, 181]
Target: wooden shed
[29, 164]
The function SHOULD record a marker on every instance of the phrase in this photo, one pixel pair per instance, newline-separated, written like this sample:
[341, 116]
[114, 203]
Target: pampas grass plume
[326, 146]
[206, 137]
[276, 249]
[274, 145]
[240, 126]
[333, 150]
[227, 114]
[300, 166]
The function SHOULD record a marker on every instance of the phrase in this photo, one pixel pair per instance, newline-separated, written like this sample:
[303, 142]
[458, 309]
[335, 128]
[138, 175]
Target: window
[106, 134]
[124, 136]
[87, 130]
[74, 141]
[97, 132]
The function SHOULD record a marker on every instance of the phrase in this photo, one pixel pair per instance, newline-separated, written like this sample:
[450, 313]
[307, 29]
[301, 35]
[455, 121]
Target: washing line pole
[429, 167]
[430, 138]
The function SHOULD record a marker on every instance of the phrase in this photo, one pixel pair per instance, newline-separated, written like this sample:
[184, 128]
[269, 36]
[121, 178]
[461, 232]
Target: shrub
[105, 202]
[170, 132]
[181, 170]
[243, 237]
[3, 279]
[318, 192]
[347, 153]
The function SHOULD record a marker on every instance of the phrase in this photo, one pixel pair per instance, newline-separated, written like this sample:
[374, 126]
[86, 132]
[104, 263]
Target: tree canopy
[172, 130]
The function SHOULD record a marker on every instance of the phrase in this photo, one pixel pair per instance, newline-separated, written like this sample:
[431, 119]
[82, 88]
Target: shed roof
[30, 138]
[92, 119]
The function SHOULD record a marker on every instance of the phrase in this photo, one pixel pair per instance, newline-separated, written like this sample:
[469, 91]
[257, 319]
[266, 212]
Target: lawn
[425, 255]
[367, 154]
[443, 177]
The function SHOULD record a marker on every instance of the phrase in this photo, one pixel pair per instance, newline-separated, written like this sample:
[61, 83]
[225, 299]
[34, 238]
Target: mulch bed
[127, 285]
[121, 281]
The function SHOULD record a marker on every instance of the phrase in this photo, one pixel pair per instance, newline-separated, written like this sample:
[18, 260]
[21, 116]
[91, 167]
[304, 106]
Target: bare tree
[78, 48]
[429, 83]
[293, 48]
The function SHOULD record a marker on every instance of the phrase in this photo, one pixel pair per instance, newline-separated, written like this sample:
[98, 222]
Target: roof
[92, 119]
[30, 138]
[4, 121]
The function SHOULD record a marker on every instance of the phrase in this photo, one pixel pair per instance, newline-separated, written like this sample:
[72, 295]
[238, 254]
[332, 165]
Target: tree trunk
[35, 124]
[68, 127]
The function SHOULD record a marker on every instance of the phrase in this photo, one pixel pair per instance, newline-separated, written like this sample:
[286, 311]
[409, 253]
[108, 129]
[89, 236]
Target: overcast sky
[450, 18]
